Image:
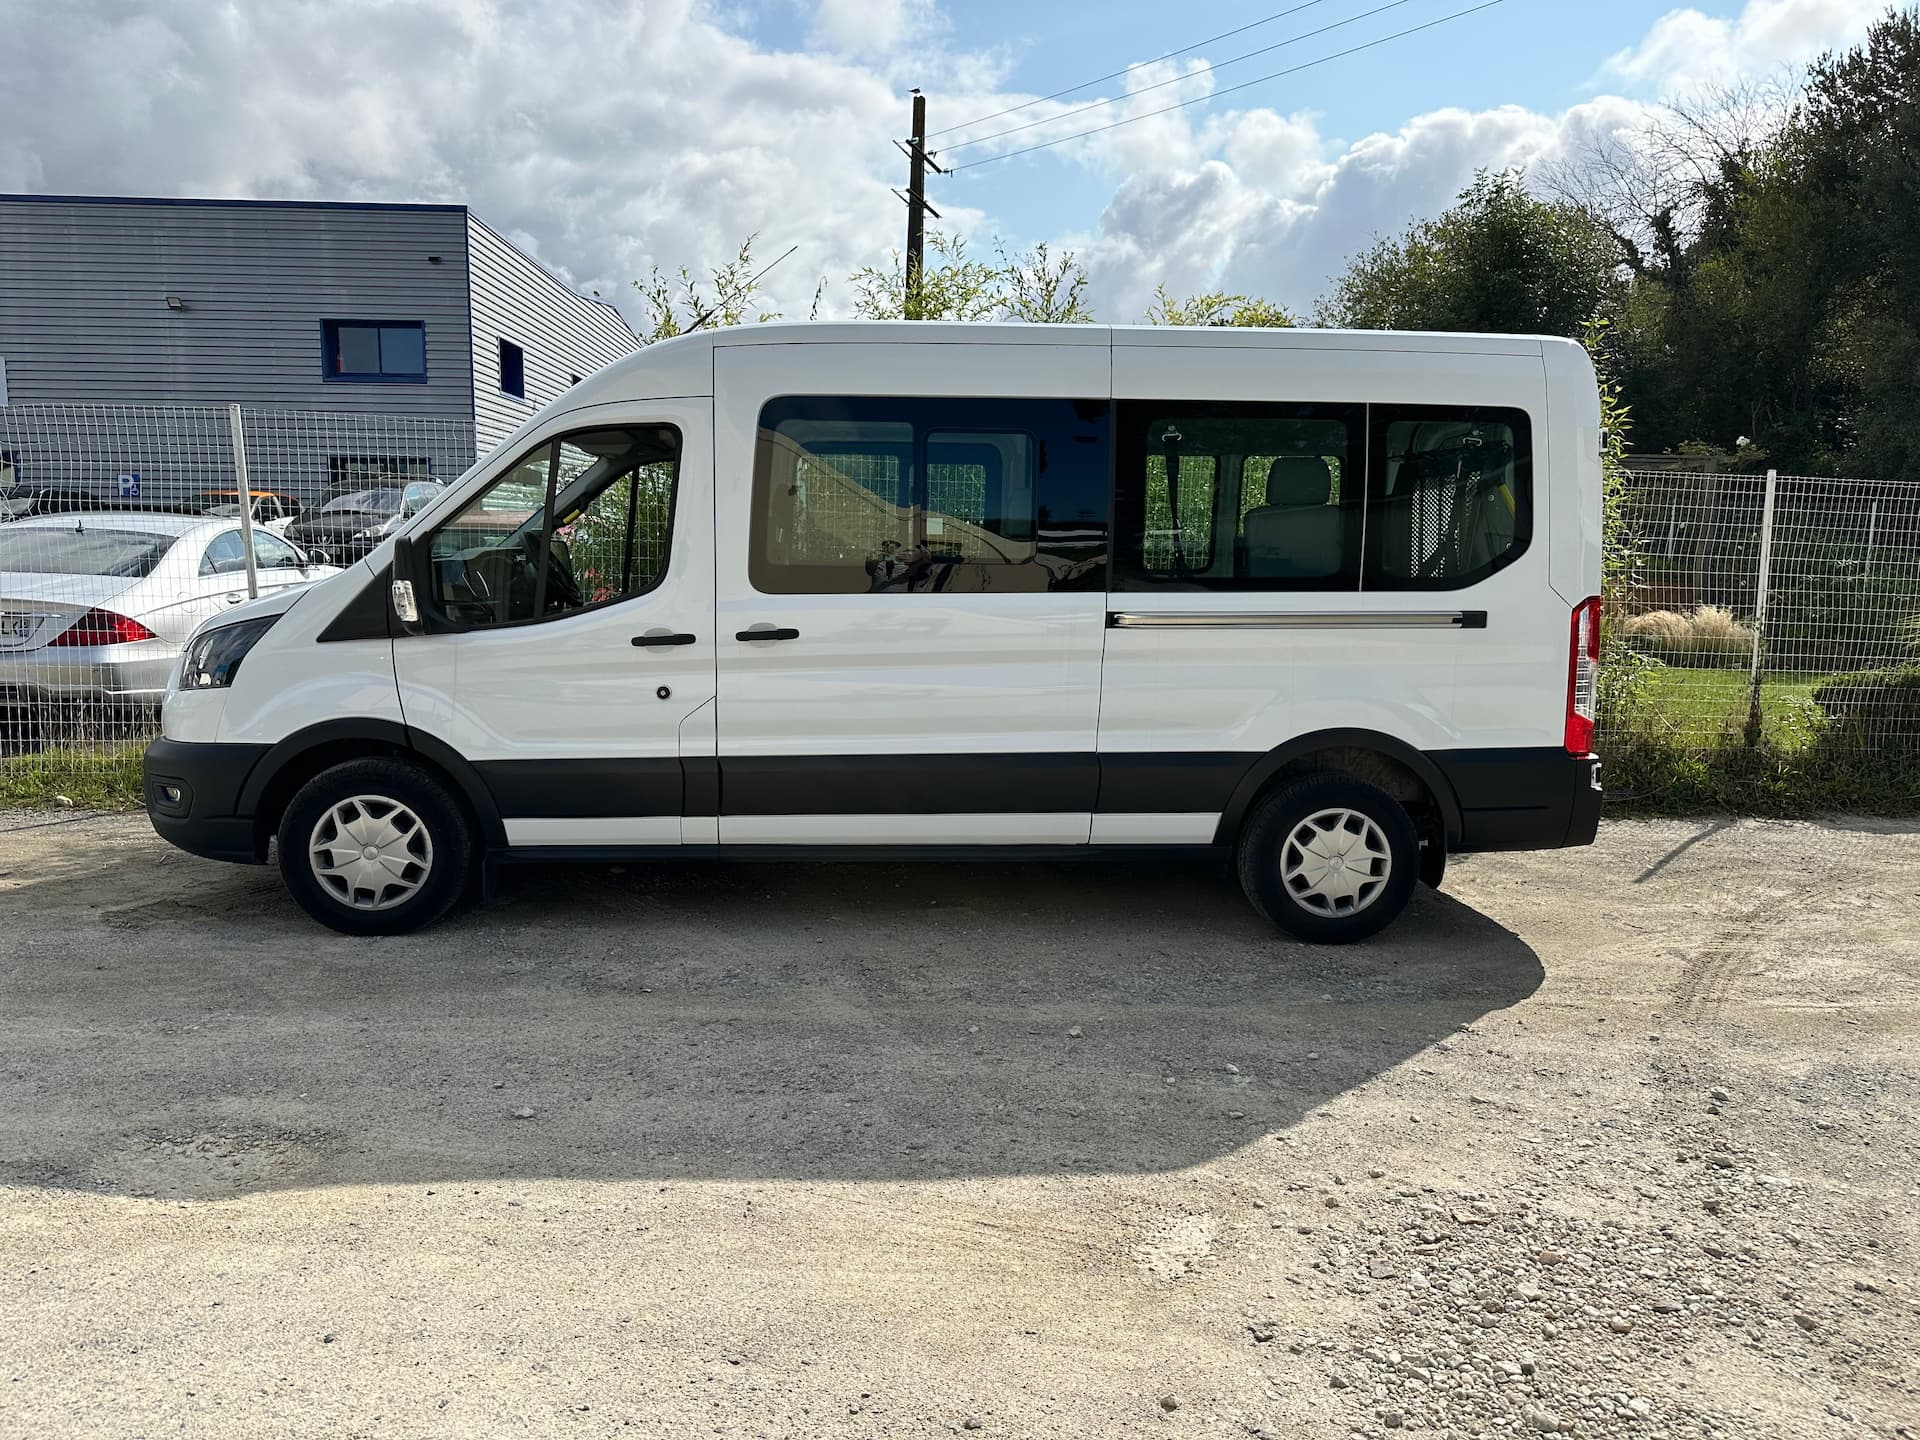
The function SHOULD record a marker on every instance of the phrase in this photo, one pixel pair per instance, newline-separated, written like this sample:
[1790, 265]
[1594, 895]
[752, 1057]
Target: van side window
[892, 496]
[1451, 495]
[1229, 496]
[610, 495]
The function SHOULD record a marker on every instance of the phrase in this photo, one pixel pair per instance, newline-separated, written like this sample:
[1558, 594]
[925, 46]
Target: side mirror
[409, 588]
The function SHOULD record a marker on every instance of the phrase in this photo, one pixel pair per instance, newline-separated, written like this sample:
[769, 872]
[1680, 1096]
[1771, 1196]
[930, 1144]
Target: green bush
[1876, 711]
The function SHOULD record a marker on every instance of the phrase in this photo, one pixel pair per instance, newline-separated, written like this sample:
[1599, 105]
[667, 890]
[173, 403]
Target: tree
[953, 285]
[675, 302]
[1035, 285]
[1499, 260]
[1042, 288]
[1217, 307]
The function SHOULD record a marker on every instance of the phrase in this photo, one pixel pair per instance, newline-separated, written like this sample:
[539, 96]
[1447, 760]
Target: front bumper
[193, 798]
[116, 674]
[1523, 799]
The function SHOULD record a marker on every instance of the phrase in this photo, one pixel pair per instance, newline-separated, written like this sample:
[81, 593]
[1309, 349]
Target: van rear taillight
[1583, 676]
[103, 627]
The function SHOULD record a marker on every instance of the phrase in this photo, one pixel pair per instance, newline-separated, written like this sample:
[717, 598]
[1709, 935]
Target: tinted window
[920, 496]
[1451, 495]
[55, 550]
[513, 369]
[270, 552]
[610, 496]
[225, 555]
[1239, 497]
[373, 350]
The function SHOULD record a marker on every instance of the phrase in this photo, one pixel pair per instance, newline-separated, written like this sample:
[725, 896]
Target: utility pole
[918, 164]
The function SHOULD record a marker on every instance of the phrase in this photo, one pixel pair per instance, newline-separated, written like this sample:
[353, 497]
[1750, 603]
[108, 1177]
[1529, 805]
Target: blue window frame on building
[391, 352]
[513, 369]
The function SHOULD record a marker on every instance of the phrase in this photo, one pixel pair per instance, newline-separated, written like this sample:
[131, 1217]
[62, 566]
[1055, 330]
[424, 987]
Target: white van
[1320, 602]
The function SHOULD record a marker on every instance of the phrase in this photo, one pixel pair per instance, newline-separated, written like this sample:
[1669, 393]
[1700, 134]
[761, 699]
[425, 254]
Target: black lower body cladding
[1523, 799]
[193, 797]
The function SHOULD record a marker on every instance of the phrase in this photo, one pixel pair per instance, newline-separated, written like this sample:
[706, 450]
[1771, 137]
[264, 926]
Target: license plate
[16, 627]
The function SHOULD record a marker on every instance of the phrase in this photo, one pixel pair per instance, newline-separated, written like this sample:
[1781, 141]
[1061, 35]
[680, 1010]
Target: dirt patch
[1610, 1142]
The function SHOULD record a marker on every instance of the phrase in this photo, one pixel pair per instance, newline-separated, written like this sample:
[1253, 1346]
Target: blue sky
[609, 136]
[1544, 55]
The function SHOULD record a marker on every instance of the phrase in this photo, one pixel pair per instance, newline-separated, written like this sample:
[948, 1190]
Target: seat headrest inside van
[1299, 480]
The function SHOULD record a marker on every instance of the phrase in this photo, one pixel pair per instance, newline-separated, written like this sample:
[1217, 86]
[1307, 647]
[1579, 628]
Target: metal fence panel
[1770, 608]
[99, 505]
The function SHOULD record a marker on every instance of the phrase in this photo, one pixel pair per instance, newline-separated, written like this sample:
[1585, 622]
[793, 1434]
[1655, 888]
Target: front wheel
[1329, 858]
[375, 847]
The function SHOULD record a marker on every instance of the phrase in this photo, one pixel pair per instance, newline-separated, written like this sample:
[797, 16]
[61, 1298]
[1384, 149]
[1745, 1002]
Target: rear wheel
[375, 847]
[1329, 858]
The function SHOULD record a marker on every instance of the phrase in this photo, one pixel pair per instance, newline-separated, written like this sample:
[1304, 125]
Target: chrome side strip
[1298, 620]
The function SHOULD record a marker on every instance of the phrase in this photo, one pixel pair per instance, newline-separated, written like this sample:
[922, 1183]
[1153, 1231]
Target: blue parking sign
[130, 486]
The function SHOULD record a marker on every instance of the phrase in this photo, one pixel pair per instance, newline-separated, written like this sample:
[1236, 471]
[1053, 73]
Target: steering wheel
[563, 590]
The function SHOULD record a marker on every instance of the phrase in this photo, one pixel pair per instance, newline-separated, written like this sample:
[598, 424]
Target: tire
[1333, 906]
[425, 842]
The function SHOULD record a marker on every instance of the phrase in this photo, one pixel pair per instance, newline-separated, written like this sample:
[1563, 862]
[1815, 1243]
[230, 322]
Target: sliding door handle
[767, 632]
[663, 637]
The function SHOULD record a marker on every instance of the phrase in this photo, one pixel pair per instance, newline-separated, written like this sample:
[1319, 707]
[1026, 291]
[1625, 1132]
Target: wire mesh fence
[1776, 614]
[122, 527]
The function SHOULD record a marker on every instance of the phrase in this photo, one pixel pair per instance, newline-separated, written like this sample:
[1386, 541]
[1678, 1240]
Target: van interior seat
[1298, 534]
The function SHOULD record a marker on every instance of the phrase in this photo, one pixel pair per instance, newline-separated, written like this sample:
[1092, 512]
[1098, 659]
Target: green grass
[1699, 703]
[1677, 744]
[103, 778]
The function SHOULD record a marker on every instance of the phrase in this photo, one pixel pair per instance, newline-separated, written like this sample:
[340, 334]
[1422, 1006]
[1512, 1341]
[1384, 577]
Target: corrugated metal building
[354, 309]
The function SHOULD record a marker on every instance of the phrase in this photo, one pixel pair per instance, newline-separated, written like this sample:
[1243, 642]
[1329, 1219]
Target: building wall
[562, 333]
[84, 319]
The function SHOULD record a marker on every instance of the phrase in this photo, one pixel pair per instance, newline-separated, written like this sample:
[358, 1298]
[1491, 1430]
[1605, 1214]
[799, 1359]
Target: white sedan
[96, 606]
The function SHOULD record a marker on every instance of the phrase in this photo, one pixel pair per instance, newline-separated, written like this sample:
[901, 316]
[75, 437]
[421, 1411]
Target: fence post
[1760, 610]
[239, 429]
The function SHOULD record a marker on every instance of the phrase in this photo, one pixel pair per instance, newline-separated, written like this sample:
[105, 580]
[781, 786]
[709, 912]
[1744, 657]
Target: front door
[911, 603]
[570, 651]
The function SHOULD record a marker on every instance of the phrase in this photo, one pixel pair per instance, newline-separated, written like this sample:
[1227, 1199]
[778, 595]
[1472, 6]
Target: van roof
[684, 364]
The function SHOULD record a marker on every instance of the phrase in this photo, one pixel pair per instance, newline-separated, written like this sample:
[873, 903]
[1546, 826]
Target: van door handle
[766, 632]
[664, 637]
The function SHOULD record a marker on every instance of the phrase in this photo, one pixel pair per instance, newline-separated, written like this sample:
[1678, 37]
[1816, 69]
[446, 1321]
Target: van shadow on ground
[685, 1022]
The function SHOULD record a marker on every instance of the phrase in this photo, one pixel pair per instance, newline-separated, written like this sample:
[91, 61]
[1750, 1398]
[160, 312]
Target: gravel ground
[1616, 1142]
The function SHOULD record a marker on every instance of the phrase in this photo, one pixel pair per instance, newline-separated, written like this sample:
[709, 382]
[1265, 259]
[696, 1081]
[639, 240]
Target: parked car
[95, 606]
[1322, 604]
[272, 510]
[348, 524]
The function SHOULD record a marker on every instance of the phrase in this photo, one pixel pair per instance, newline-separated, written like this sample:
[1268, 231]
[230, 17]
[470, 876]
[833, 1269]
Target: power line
[1162, 84]
[1245, 84]
[1115, 75]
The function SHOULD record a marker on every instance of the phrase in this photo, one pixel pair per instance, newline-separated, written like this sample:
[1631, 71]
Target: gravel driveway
[1607, 1142]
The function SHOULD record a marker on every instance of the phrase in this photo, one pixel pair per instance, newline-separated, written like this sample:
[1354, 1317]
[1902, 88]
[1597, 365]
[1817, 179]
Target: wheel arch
[1397, 767]
[298, 758]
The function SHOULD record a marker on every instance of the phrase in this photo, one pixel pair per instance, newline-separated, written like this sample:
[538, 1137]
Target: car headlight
[213, 657]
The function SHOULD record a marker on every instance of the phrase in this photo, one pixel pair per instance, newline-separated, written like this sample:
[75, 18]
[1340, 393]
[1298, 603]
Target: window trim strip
[1297, 620]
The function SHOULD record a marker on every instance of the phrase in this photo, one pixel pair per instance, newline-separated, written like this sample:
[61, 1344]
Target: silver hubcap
[1336, 862]
[370, 853]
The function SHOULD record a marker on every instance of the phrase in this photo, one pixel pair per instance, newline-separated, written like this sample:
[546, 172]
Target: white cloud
[1273, 214]
[1686, 49]
[610, 134]
[869, 27]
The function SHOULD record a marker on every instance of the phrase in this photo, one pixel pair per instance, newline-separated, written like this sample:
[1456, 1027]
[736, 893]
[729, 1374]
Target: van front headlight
[213, 657]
